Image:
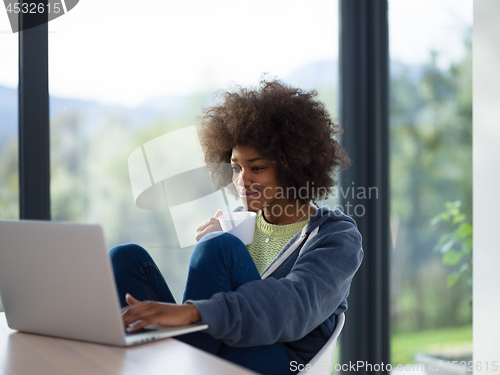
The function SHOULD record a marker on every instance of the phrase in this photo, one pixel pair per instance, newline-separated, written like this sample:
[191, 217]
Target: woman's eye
[237, 169]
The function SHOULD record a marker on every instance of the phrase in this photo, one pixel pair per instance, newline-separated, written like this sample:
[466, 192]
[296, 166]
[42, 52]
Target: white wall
[486, 164]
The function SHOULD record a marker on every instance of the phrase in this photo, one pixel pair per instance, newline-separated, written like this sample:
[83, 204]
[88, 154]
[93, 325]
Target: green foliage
[431, 163]
[9, 180]
[455, 245]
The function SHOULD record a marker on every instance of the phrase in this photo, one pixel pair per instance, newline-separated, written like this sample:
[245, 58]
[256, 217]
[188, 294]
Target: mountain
[91, 113]
[315, 75]
[311, 76]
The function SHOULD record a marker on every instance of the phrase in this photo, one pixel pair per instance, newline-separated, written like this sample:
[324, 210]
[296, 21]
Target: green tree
[431, 163]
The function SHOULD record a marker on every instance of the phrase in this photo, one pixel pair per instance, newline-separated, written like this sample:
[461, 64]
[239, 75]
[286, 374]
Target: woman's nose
[243, 179]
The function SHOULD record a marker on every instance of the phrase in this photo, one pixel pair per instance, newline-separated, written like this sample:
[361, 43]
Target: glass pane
[123, 75]
[9, 172]
[431, 182]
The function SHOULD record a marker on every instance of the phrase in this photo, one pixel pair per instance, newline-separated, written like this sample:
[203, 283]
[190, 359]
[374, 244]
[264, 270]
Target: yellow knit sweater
[263, 253]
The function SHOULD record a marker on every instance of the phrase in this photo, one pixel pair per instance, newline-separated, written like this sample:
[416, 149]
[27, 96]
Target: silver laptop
[56, 279]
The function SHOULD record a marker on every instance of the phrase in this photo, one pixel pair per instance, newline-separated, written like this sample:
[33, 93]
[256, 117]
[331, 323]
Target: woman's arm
[263, 312]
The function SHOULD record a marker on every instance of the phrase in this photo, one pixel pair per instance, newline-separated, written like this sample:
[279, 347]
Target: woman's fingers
[198, 237]
[211, 228]
[145, 313]
[209, 221]
[131, 300]
[203, 225]
[209, 225]
[143, 322]
[136, 317]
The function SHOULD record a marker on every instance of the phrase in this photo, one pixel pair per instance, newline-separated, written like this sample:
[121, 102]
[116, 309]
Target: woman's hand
[209, 225]
[149, 312]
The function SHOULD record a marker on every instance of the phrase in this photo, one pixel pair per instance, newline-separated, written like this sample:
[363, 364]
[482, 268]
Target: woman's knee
[213, 235]
[129, 252]
[216, 246]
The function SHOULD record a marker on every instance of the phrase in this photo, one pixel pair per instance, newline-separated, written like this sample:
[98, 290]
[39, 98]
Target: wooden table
[24, 353]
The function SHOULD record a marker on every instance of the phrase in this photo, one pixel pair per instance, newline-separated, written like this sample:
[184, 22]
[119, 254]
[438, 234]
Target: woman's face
[255, 179]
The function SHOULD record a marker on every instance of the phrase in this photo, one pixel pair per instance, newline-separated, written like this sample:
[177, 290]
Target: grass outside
[405, 346]
[450, 341]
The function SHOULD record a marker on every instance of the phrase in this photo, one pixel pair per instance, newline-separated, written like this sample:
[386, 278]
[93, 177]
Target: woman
[274, 301]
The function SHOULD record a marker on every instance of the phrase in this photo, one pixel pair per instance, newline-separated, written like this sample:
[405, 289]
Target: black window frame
[34, 126]
[364, 116]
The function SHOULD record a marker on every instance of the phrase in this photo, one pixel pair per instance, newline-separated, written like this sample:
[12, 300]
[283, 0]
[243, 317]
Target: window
[9, 174]
[431, 180]
[9, 171]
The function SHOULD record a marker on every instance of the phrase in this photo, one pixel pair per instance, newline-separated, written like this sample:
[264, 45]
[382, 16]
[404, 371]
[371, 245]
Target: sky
[128, 53]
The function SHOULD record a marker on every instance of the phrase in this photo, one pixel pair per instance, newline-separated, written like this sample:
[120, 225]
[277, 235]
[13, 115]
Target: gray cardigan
[300, 293]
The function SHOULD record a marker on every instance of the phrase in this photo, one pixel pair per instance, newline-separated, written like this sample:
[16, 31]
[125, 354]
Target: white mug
[240, 224]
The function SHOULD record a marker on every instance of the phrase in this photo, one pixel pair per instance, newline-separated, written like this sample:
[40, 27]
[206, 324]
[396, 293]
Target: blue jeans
[218, 264]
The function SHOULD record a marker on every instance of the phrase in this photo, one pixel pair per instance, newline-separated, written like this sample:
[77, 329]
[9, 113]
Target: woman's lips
[249, 194]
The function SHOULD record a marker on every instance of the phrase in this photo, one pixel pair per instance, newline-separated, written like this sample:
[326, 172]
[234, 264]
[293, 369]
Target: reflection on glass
[431, 183]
